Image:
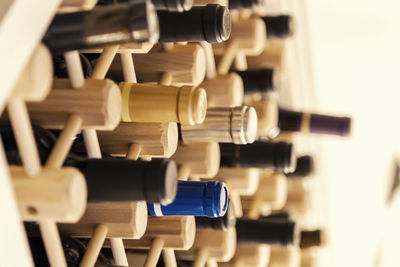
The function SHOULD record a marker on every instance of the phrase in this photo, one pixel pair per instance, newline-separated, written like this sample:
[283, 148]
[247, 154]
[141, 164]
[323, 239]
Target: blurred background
[350, 57]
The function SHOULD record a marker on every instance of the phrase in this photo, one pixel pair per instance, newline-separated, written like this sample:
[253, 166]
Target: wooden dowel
[52, 243]
[128, 68]
[104, 62]
[93, 147]
[255, 208]
[94, 246]
[169, 257]
[91, 143]
[237, 204]
[74, 68]
[184, 172]
[240, 61]
[24, 136]
[168, 46]
[201, 258]
[166, 79]
[228, 58]
[212, 263]
[117, 246]
[64, 142]
[211, 70]
[134, 152]
[154, 253]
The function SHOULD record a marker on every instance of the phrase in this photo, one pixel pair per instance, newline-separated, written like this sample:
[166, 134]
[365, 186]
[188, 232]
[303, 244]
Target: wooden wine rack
[21, 31]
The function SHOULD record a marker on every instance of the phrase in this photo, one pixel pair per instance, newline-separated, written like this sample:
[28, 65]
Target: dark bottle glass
[221, 223]
[170, 5]
[211, 23]
[246, 4]
[257, 81]
[304, 167]
[278, 26]
[266, 232]
[260, 154]
[131, 22]
[294, 121]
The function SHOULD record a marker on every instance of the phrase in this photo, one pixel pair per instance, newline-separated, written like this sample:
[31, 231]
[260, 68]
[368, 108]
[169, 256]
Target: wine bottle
[108, 179]
[131, 22]
[118, 179]
[170, 5]
[258, 80]
[224, 125]
[266, 232]
[195, 199]
[313, 238]
[293, 121]
[277, 156]
[211, 23]
[304, 167]
[278, 26]
[220, 223]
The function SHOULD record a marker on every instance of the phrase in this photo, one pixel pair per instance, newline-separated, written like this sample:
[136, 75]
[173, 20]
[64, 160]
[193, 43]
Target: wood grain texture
[242, 181]
[299, 197]
[267, 113]
[59, 195]
[224, 90]
[186, 63]
[157, 103]
[155, 139]
[272, 56]
[202, 158]
[249, 34]
[35, 81]
[98, 102]
[123, 220]
[284, 256]
[249, 255]
[177, 232]
[220, 245]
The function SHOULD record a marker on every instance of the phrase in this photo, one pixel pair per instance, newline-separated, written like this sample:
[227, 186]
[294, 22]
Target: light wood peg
[76, 5]
[157, 103]
[249, 255]
[202, 158]
[284, 256]
[156, 140]
[242, 181]
[271, 195]
[98, 102]
[248, 34]
[206, 2]
[34, 84]
[272, 56]
[186, 63]
[224, 90]
[177, 232]
[309, 258]
[218, 245]
[129, 48]
[59, 195]
[299, 197]
[267, 114]
[123, 220]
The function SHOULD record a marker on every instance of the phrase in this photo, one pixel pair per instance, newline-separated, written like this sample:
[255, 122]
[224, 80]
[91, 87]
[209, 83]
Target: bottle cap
[323, 124]
[257, 81]
[217, 23]
[304, 167]
[192, 106]
[195, 199]
[312, 238]
[265, 232]
[211, 23]
[279, 26]
[244, 125]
